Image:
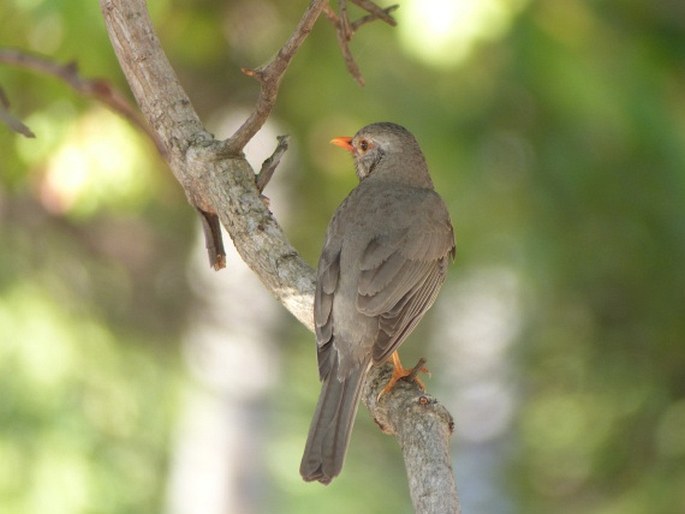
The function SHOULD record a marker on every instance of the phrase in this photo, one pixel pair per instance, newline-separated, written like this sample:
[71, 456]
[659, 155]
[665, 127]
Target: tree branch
[212, 182]
[218, 179]
[423, 427]
[377, 12]
[344, 29]
[96, 88]
[269, 165]
[384, 15]
[343, 34]
[11, 121]
[269, 77]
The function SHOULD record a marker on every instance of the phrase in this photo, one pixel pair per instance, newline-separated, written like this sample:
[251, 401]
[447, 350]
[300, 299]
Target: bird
[385, 257]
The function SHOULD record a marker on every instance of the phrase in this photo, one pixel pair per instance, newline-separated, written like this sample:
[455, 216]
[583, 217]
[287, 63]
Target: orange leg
[399, 372]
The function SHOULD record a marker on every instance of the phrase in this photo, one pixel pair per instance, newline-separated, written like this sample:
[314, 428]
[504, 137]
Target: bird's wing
[327, 281]
[401, 274]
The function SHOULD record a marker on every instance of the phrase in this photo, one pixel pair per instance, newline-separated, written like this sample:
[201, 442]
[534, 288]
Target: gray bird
[384, 259]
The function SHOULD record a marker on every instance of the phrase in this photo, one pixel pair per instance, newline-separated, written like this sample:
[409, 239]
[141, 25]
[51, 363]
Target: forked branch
[269, 77]
[345, 29]
[271, 74]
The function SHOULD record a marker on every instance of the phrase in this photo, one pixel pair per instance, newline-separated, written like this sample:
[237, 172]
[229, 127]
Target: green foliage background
[559, 147]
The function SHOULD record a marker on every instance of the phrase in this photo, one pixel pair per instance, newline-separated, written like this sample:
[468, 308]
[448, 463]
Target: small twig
[269, 77]
[373, 17]
[270, 164]
[415, 370]
[377, 12]
[211, 227]
[11, 121]
[344, 29]
[344, 34]
[96, 88]
[14, 123]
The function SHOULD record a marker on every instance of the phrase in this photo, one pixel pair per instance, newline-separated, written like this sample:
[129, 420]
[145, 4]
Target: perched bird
[384, 259]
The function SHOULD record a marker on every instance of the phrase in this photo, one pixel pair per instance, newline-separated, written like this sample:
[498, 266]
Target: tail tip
[315, 473]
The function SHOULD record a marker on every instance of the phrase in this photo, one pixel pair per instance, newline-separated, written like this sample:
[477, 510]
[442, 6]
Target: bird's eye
[364, 145]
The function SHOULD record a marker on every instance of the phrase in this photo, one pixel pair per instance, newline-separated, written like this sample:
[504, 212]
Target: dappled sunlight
[50, 125]
[444, 33]
[670, 435]
[100, 161]
[30, 4]
[36, 338]
[48, 33]
[78, 418]
[562, 431]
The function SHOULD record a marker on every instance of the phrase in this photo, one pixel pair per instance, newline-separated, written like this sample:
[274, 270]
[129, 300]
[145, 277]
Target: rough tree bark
[218, 180]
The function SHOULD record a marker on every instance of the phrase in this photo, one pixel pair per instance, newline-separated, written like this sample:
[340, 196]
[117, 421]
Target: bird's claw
[401, 373]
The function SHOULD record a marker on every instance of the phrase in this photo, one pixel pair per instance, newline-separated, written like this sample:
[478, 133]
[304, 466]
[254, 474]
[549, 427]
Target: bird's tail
[329, 433]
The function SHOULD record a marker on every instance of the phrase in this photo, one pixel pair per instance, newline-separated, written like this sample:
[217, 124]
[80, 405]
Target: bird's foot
[399, 372]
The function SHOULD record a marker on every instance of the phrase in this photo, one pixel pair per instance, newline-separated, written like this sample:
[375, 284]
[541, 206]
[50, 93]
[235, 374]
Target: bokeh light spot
[670, 433]
[101, 162]
[445, 32]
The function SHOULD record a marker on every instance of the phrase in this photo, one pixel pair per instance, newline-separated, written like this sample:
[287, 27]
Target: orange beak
[343, 142]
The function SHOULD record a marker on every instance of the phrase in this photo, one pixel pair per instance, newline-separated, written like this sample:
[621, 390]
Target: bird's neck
[410, 170]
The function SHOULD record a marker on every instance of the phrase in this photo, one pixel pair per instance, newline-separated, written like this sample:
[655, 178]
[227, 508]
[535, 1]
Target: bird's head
[383, 148]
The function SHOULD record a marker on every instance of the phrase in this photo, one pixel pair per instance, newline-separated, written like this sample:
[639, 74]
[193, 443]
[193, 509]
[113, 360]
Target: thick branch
[212, 183]
[423, 428]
